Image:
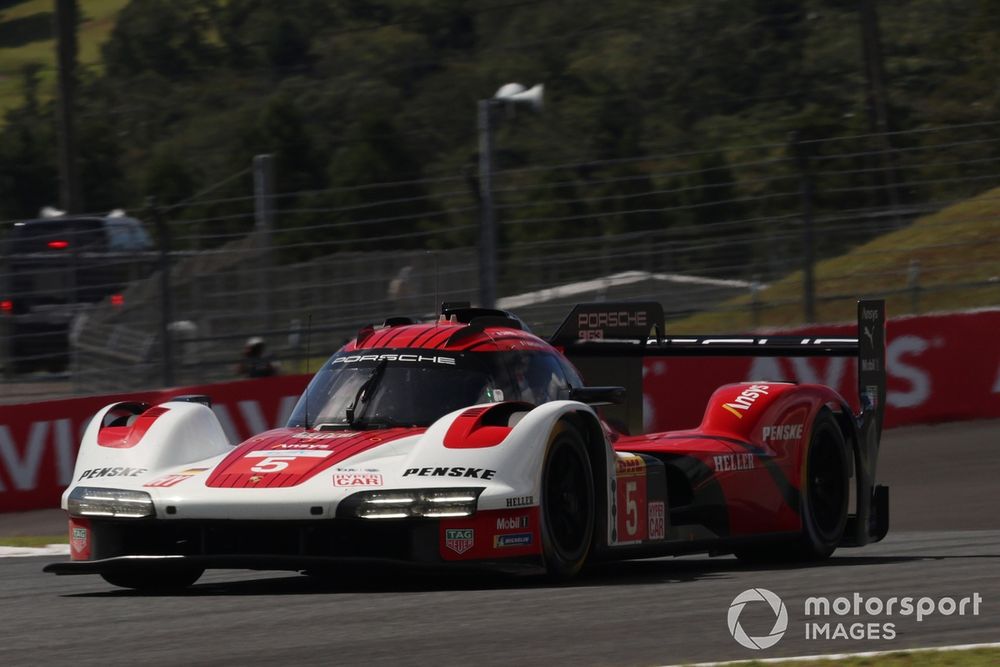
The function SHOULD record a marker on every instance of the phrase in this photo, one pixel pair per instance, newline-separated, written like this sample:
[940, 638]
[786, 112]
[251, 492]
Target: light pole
[507, 96]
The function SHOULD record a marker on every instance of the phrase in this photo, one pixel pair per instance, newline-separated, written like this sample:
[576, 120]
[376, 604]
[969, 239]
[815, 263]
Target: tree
[28, 173]
[167, 37]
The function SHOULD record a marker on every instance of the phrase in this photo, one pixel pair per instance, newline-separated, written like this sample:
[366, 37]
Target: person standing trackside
[255, 362]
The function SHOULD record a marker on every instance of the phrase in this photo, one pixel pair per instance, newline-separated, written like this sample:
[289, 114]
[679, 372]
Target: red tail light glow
[6, 306]
[58, 245]
[117, 300]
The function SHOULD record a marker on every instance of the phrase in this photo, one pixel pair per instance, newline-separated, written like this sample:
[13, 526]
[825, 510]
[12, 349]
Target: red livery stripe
[469, 432]
[289, 462]
[124, 437]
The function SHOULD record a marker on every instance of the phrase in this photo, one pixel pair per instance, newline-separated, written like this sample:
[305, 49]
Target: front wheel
[156, 581]
[568, 505]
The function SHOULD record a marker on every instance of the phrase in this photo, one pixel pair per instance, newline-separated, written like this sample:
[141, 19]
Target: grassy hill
[26, 38]
[948, 260]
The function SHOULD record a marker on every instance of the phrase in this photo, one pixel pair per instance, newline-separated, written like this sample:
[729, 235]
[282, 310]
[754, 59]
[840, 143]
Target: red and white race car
[472, 441]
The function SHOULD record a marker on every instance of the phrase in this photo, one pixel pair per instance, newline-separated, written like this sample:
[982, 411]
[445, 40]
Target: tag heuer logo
[459, 540]
[79, 540]
[256, 478]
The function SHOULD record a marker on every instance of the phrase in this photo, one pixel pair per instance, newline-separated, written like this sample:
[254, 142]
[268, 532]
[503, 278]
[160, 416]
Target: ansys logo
[780, 615]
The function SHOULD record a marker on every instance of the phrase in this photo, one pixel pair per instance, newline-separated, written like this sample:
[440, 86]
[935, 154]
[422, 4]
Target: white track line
[47, 550]
[844, 656]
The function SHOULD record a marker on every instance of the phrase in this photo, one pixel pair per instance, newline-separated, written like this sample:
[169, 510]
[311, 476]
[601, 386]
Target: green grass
[971, 658]
[957, 250]
[33, 541]
[98, 19]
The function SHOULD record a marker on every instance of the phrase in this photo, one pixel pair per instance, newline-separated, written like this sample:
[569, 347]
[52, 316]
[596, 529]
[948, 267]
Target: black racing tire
[826, 487]
[824, 497]
[153, 580]
[568, 505]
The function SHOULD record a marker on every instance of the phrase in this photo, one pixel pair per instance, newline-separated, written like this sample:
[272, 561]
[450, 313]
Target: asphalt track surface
[944, 541]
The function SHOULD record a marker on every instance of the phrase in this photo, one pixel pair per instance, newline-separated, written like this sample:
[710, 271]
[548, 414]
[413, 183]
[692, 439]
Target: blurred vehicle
[57, 265]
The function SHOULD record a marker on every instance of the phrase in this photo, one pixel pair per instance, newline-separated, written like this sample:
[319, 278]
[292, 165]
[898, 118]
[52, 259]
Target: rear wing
[607, 342]
[619, 332]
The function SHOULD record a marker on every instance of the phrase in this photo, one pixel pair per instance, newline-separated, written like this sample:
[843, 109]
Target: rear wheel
[153, 580]
[825, 493]
[827, 489]
[568, 505]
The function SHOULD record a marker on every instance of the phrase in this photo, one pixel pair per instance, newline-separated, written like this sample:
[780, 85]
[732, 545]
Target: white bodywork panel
[187, 442]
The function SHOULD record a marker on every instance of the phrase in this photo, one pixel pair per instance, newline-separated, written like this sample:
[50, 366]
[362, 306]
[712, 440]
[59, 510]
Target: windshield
[399, 388]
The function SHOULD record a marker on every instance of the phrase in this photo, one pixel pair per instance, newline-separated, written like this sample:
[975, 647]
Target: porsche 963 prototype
[471, 440]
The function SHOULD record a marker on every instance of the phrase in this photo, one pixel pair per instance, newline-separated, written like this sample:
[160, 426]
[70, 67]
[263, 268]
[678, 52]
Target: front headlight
[118, 503]
[415, 503]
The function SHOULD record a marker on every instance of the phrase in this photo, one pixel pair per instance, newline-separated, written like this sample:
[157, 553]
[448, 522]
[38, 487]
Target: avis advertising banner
[38, 441]
[940, 368]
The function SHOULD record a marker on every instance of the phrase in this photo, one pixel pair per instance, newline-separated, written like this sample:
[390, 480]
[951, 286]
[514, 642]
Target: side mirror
[598, 395]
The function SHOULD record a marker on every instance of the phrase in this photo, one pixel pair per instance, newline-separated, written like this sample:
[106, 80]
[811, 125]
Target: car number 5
[273, 464]
[631, 509]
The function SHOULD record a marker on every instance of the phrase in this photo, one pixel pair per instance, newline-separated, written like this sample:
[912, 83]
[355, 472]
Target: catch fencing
[718, 231]
[940, 368]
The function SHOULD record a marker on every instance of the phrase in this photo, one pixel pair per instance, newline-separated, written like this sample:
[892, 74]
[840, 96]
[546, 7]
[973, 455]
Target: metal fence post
[6, 328]
[808, 233]
[166, 301]
[755, 301]
[263, 198]
[487, 222]
[877, 104]
[913, 283]
[67, 14]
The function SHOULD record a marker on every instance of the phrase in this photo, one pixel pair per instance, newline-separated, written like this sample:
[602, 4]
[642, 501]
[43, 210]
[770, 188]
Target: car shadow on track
[690, 569]
[400, 579]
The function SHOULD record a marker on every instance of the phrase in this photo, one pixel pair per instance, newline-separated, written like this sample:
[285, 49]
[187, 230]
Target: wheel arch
[817, 543]
[844, 417]
[587, 424]
[150, 438]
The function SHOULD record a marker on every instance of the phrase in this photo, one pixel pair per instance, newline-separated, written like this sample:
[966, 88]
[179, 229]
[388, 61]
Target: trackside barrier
[38, 441]
[940, 368]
